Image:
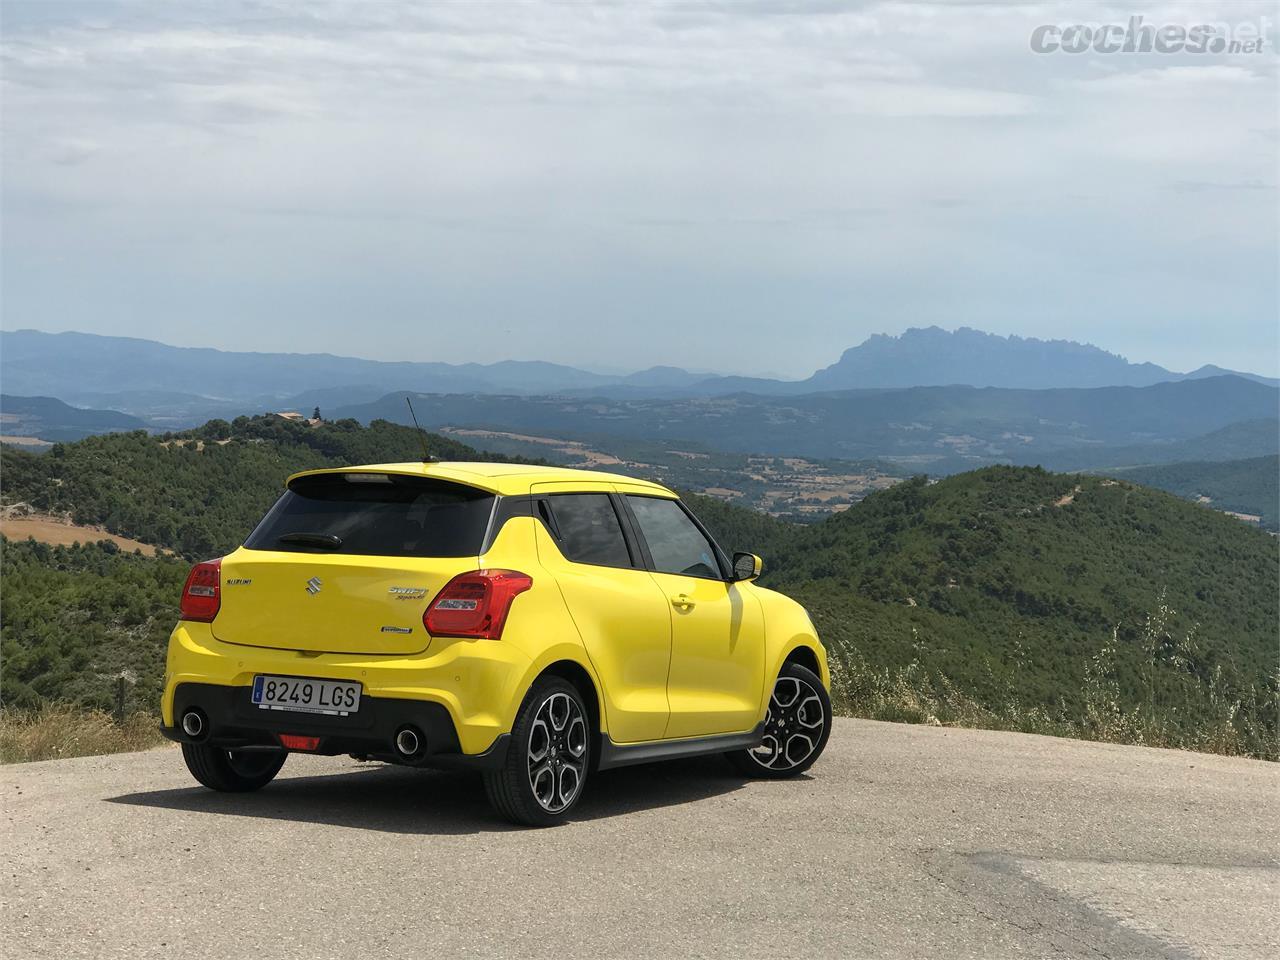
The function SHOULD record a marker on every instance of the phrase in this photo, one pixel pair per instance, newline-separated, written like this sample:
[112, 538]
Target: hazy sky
[745, 186]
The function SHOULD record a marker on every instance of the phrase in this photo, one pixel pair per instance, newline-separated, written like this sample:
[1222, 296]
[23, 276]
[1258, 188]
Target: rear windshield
[376, 514]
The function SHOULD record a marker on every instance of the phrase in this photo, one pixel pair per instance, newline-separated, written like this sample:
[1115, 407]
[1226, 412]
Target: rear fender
[539, 624]
[571, 652]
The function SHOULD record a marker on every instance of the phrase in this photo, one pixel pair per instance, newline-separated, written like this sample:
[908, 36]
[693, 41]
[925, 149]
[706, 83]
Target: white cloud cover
[740, 186]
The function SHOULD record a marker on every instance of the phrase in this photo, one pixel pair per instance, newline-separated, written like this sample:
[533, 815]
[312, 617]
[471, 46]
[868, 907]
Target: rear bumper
[233, 721]
[478, 683]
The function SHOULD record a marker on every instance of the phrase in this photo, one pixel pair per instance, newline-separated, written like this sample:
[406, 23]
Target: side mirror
[746, 566]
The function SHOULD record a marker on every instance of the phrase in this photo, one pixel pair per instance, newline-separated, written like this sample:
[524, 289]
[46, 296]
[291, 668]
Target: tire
[232, 771]
[796, 727]
[549, 758]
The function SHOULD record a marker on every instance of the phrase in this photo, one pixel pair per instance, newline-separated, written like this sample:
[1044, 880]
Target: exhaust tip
[408, 742]
[193, 723]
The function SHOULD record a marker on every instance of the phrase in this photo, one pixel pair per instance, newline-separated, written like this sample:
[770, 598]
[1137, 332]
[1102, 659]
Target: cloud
[630, 174]
[70, 151]
[1204, 186]
[1176, 81]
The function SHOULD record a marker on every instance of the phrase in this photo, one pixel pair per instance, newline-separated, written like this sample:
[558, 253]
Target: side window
[588, 529]
[675, 542]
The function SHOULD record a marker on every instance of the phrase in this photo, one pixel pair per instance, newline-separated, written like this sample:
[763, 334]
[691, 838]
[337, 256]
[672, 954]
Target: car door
[717, 649]
[620, 613]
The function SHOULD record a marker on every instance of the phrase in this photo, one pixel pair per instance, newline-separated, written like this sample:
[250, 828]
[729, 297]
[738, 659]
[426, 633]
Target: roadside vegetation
[1013, 598]
[1007, 598]
[1230, 721]
[57, 731]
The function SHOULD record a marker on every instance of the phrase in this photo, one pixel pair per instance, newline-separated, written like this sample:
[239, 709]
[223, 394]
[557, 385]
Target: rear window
[376, 514]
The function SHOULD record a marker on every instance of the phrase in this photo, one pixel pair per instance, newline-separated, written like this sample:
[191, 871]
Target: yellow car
[532, 623]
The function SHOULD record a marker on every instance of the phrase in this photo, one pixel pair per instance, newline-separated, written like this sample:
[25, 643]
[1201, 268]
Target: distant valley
[929, 429]
[927, 401]
[36, 421]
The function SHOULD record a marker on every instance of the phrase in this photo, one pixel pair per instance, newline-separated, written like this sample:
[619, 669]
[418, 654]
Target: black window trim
[631, 530]
[504, 509]
[524, 505]
[716, 550]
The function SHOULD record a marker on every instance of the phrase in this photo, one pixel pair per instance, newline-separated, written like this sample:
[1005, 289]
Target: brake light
[294, 742]
[202, 594]
[475, 604]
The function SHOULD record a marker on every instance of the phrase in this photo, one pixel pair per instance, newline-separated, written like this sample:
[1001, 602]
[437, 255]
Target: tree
[217, 429]
[315, 414]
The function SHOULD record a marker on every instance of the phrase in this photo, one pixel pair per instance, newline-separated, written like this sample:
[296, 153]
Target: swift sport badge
[408, 593]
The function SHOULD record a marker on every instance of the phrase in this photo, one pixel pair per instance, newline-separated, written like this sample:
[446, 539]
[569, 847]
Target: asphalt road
[904, 841]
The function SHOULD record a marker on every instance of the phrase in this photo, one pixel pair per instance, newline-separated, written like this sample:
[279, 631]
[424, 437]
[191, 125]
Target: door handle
[682, 602]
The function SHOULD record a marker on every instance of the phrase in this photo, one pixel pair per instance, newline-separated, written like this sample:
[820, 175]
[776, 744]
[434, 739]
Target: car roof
[507, 479]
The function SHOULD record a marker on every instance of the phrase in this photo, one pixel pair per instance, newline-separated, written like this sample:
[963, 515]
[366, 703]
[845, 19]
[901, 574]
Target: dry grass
[1228, 723]
[57, 731]
[911, 694]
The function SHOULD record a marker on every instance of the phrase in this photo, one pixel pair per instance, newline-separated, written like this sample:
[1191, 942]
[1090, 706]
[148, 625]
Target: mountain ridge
[51, 419]
[932, 356]
[90, 369]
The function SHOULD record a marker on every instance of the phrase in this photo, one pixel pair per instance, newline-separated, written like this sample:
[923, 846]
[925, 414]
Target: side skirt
[623, 754]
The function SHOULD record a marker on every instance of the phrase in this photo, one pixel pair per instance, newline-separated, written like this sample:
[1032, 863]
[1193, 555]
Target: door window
[675, 542]
[587, 528]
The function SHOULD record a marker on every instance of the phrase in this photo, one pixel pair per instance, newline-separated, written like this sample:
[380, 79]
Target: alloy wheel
[557, 752]
[793, 725]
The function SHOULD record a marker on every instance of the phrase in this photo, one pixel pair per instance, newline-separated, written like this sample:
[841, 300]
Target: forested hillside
[1245, 486]
[1042, 599]
[73, 619]
[200, 492]
[1007, 597]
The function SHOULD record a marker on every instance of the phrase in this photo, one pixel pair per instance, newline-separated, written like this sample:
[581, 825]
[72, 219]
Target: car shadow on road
[403, 800]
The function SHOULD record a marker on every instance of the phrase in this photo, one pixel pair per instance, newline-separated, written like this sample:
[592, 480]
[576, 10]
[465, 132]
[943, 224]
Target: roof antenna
[422, 434]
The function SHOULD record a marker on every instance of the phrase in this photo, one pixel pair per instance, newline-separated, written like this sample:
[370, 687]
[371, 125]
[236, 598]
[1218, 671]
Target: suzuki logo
[313, 586]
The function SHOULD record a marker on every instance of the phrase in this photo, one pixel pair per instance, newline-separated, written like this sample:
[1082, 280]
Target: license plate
[336, 698]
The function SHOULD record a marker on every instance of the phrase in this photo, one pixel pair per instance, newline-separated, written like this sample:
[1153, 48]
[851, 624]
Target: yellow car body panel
[621, 623]
[716, 681]
[669, 657]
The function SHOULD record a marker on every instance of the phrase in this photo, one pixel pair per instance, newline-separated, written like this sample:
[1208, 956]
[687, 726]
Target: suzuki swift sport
[532, 623]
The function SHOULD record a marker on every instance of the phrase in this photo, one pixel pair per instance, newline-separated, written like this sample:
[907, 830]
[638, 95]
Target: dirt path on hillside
[50, 529]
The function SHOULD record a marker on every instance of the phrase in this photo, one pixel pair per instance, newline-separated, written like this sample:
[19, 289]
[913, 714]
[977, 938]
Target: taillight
[202, 595]
[475, 604]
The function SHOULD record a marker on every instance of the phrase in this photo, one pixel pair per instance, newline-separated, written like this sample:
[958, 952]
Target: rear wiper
[313, 539]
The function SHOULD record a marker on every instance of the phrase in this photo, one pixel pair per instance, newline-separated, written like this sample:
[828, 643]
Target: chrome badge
[408, 593]
[313, 586]
[397, 629]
